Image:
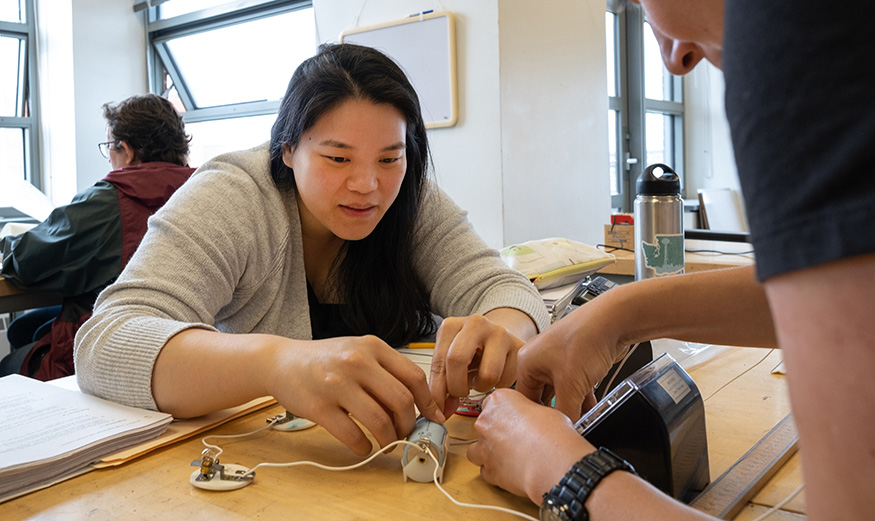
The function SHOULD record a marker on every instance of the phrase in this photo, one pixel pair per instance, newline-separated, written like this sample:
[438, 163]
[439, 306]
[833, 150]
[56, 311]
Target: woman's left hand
[477, 352]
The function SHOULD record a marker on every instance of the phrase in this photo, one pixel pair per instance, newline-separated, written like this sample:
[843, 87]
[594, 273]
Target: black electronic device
[655, 420]
[592, 289]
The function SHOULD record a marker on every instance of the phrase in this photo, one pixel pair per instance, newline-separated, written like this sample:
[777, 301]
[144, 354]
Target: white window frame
[160, 60]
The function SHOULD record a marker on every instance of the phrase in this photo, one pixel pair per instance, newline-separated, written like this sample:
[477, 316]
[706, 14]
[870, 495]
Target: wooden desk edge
[694, 262]
[14, 299]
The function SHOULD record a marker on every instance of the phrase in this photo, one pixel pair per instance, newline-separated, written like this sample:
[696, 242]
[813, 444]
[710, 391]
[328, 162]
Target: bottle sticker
[674, 385]
[666, 255]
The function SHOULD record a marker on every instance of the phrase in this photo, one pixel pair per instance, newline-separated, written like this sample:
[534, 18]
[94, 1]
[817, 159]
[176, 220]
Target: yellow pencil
[420, 345]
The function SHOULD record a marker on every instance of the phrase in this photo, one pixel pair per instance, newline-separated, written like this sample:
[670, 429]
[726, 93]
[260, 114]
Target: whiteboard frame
[415, 74]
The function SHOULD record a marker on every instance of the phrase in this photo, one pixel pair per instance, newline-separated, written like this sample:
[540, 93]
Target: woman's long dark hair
[374, 275]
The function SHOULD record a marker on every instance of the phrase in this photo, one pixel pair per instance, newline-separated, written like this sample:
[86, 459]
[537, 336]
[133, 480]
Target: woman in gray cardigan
[293, 268]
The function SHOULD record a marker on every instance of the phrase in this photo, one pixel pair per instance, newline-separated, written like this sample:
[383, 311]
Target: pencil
[420, 345]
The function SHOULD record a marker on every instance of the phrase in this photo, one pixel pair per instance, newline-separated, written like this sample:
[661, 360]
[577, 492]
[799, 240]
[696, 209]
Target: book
[37, 448]
[48, 433]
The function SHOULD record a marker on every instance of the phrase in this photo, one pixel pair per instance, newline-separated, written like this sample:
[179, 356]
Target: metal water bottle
[659, 223]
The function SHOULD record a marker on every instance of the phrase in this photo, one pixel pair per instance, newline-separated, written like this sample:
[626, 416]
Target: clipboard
[424, 46]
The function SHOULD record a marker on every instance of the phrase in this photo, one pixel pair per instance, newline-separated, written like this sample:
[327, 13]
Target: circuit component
[416, 463]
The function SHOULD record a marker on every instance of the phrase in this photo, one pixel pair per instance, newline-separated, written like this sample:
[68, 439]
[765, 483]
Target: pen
[422, 13]
[420, 345]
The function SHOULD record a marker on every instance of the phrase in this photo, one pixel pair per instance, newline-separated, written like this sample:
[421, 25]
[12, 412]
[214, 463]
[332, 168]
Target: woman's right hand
[334, 380]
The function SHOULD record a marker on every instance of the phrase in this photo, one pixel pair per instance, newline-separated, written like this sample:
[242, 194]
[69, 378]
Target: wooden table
[14, 299]
[696, 260]
[743, 401]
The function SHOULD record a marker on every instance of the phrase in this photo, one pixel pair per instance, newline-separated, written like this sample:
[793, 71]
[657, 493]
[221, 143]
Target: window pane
[657, 80]
[211, 138]
[613, 115]
[260, 73]
[12, 60]
[660, 137]
[611, 41]
[12, 152]
[12, 11]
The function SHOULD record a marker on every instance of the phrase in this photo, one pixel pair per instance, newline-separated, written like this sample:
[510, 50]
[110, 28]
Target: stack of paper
[559, 299]
[48, 434]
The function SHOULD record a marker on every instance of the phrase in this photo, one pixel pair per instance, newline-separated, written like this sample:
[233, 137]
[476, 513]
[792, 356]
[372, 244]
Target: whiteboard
[424, 46]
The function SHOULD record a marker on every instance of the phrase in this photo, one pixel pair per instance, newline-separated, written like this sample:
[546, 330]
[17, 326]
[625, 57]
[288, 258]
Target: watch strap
[567, 499]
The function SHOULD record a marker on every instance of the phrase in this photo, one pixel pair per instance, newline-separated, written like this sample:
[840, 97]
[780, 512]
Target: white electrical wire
[326, 467]
[468, 505]
[360, 464]
[231, 436]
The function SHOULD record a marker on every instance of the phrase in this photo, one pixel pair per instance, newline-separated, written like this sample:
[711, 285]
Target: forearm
[726, 307]
[200, 371]
[621, 495]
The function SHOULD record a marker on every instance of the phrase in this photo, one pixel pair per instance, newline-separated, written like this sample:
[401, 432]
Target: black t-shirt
[800, 99]
[326, 320]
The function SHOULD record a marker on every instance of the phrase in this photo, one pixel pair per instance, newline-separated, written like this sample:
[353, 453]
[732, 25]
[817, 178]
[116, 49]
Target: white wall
[56, 100]
[554, 106]
[105, 41]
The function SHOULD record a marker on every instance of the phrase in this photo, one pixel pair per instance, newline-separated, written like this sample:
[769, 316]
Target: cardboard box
[620, 236]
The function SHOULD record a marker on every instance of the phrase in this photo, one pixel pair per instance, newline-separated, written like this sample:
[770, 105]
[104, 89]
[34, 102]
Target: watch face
[552, 512]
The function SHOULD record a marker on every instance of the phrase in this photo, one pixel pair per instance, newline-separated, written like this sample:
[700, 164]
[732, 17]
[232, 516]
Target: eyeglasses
[104, 148]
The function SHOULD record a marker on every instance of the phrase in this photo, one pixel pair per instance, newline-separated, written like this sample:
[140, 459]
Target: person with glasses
[106, 146]
[82, 247]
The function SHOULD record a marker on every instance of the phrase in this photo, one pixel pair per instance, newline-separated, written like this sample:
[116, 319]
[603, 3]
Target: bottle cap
[649, 183]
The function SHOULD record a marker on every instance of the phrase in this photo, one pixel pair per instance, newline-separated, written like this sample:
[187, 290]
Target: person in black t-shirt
[800, 99]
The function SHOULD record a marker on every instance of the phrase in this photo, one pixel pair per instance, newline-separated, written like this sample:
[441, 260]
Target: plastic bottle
[659, 224]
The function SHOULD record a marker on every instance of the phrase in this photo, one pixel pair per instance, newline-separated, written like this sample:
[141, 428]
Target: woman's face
[687, 31]
[348, 169]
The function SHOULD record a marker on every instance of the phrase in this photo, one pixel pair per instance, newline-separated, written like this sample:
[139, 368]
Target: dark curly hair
[373, 275]
[151, 126]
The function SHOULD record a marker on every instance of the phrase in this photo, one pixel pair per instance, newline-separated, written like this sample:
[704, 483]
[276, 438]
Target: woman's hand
[477, 352]
[524, 447]
[335, 380]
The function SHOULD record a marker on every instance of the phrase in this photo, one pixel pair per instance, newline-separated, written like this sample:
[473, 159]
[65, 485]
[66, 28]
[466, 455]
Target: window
[19, 157]
[645, 104]
[221, 67]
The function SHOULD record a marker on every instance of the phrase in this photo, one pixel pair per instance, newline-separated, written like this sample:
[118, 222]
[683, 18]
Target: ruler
[730, 492]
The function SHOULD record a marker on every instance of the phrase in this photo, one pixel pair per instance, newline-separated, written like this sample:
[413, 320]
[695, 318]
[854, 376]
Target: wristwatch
[565, 501]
